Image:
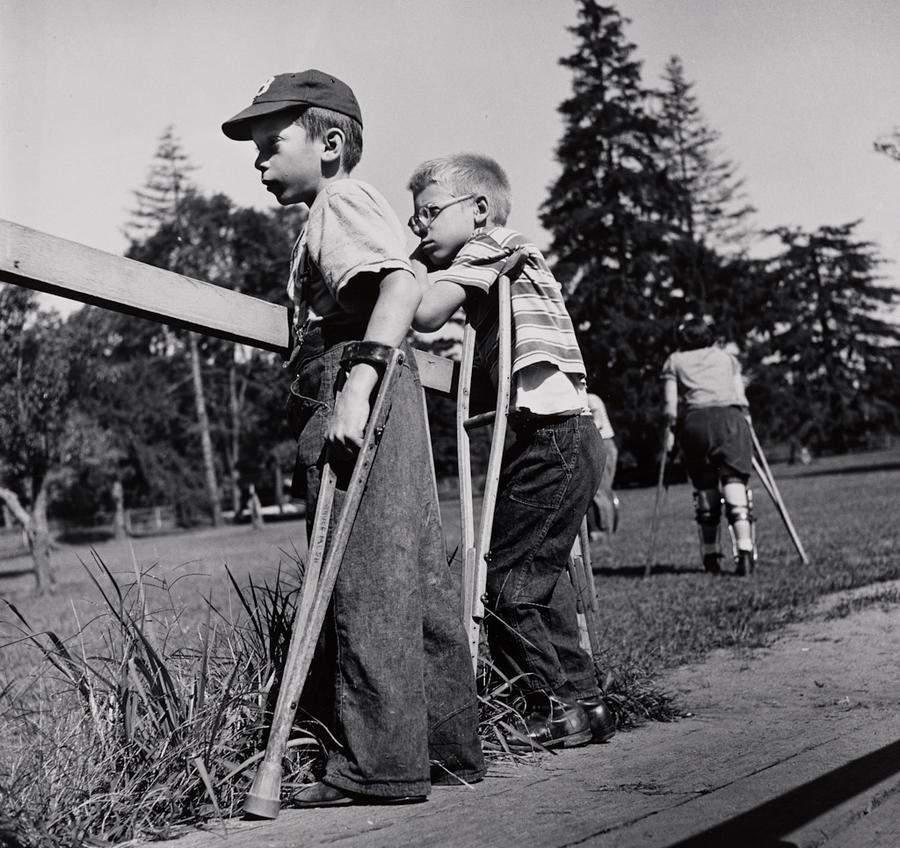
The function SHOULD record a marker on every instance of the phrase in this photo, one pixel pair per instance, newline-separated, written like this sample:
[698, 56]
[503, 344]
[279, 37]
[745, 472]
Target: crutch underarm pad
[374, 353]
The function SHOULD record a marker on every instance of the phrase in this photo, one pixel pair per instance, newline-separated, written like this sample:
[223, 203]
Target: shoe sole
[573, 740]
[354, 800]
[603, 737]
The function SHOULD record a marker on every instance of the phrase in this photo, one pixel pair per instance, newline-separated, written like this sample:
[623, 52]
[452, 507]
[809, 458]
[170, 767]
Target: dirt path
[795, 744]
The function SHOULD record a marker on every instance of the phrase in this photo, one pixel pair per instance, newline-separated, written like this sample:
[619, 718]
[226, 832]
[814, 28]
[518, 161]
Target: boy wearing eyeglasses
[404, 707]
[552, 467]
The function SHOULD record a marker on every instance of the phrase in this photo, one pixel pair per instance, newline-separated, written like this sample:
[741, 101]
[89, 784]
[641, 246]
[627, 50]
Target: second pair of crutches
[263, 799]
[760, 466]
[475, 545]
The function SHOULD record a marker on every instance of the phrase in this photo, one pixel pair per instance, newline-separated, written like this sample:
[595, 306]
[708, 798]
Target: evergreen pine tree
[711, 225]
[828, 362]
[889, 144]
[610, 213]
[168, 183]
[712, 208]
[161, 204]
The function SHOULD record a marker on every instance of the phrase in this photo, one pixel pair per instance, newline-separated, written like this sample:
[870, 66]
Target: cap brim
[238, 127]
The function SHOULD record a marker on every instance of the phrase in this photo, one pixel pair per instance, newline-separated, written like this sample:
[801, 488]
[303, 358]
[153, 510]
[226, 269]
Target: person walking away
[703, 384]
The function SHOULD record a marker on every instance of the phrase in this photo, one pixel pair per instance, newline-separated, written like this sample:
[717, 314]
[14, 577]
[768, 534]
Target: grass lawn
[844, 510]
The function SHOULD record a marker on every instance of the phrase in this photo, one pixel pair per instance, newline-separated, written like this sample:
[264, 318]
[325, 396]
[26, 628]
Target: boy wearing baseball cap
[405, 712]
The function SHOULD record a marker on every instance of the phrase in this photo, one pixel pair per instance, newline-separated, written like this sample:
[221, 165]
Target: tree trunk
[37, 535]
[233, 455]
[39, 540]
[212, 485]
[279, 486]
[118, 496]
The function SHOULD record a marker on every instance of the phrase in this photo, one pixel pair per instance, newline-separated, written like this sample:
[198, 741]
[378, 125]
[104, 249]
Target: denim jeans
[405, 710]
[548, 478]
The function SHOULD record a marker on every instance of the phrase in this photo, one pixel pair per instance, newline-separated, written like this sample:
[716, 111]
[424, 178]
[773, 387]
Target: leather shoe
[323, 795]
[711, 563]
[602, 721]
[560, 724]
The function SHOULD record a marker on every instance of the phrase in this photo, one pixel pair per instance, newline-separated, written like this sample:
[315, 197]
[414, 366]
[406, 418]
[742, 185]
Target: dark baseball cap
[288, 91]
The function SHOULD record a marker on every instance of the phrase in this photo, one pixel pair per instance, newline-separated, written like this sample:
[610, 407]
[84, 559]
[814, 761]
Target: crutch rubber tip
[261, 808]
[263, 801]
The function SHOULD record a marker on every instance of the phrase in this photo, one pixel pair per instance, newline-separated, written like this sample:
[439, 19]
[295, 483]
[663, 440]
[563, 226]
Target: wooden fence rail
[46, 263]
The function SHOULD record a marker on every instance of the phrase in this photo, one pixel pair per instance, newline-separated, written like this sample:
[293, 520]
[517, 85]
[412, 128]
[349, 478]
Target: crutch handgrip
[480, 420]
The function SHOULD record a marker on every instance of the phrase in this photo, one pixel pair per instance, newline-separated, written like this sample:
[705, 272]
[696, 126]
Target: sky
[797, 89]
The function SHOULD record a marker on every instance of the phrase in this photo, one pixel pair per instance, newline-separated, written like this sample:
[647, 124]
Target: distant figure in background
[603, 515]
[704, 381]
[256, 515]
[118, 496]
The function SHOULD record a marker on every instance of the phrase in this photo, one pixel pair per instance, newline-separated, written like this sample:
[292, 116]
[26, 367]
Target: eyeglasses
[424, 216]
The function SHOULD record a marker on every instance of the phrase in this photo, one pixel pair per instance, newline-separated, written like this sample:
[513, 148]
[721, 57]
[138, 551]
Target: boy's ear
[333, 145]
[482, 208]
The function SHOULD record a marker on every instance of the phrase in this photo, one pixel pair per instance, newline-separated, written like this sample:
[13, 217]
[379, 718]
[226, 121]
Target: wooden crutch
[658, 502]
[586, 599]
[264, 798]
[765, 475]
[476, 545]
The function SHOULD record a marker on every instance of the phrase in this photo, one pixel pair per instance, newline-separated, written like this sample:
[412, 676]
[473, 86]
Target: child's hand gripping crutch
[263, 800]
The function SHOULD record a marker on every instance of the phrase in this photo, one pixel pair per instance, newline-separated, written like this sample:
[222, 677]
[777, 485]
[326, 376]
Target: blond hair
[467, 173]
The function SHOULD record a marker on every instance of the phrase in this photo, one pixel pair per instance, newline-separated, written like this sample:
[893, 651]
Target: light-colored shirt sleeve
[353, 231]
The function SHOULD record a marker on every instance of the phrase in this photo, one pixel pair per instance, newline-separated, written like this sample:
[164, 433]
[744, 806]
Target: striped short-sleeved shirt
[542, 331]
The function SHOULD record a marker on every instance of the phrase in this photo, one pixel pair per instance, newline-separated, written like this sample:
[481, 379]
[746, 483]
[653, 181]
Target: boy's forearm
[398, 298]
[422, 321]
[671, 402]
[420, 272]
[391, 318]
[440, 300]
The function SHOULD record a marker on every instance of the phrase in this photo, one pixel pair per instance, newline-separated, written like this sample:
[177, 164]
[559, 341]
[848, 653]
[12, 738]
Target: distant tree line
[649, 221]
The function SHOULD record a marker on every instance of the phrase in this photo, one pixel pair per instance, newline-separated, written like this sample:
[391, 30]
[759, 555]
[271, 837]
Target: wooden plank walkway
[796, 744]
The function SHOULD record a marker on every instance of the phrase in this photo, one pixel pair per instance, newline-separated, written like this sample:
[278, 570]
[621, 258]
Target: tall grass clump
[145, 722]
[138, 724]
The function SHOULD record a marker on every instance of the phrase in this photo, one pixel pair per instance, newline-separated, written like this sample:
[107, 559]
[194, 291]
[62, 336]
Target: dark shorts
[717, 446]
